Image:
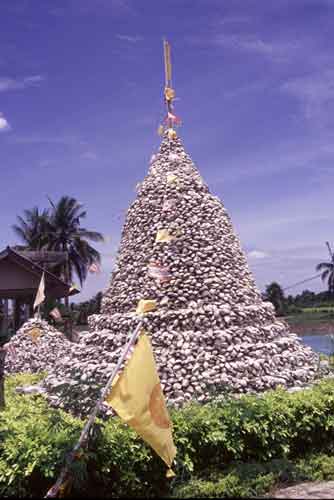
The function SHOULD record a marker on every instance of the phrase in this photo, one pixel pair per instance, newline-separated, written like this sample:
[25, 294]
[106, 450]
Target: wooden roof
[43, 257]
[20, 278]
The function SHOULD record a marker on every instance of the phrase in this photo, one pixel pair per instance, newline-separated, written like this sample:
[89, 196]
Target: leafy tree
[66, 234]
[274, 293]
[85, 309]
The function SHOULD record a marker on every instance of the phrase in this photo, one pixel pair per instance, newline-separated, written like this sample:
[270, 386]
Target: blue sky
[81, 86]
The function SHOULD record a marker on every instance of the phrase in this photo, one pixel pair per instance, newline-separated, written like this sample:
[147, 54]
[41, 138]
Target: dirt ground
[309, 490]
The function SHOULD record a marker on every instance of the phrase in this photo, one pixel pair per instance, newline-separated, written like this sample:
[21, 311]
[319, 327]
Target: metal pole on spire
[169, 91]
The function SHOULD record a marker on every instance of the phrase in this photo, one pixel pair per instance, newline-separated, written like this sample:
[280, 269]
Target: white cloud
[115, 7]
[4, 125]
[68, 140]
[235, 19]
[315, 92]
[7, 84]
[275, 50]
[257, 254]
[130, 38]
[290, 266]
[89, 155]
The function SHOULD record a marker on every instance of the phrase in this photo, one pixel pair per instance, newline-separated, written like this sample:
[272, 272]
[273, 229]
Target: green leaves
[277, 425]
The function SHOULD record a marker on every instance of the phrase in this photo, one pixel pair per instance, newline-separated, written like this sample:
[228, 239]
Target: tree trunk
[2, 377]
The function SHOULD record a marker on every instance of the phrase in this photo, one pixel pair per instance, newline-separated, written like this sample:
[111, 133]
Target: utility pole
[330, 288]
[330, 250]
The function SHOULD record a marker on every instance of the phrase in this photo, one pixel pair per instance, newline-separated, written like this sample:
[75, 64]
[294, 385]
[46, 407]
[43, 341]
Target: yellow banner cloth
[145, 306]
[137, 398]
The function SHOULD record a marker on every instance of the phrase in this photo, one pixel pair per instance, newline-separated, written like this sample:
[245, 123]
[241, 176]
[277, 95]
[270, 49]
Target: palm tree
[66, 234]
[59, 228]
[32, 229]
[327, 269]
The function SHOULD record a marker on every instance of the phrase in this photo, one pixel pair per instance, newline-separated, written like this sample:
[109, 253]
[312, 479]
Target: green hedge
[212, 437]
[253, 479]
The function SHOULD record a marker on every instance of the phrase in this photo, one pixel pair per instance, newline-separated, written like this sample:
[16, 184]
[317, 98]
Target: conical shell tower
[210, 330]
[209, 327]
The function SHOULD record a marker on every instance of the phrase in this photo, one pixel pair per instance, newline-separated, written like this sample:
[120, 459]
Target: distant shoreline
[302, 326]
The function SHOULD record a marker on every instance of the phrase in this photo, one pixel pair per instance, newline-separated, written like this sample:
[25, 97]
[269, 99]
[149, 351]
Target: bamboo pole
[2, 377]
[53, 492]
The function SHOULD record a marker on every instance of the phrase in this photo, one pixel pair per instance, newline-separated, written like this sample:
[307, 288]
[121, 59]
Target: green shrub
[272, 430]
[226, 487]
[253, 479]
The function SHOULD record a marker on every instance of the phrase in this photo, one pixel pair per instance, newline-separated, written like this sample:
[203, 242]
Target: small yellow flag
[35, 334]
[137, 398]
[160, 129]
[172, 178]
[164, 236]
[145, 306]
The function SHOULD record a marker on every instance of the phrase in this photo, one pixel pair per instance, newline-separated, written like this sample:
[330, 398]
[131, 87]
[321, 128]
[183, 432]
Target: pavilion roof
[20, 278]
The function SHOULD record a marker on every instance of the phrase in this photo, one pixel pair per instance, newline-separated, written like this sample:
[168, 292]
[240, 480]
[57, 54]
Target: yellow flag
[35, 334]
[172, 178]
[145, 306]
[164, 236]
[138, 399]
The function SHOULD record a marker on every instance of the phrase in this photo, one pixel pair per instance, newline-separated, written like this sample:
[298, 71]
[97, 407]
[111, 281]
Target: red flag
[55, 313]
[159, 272]
[94, 268]
[175, 119]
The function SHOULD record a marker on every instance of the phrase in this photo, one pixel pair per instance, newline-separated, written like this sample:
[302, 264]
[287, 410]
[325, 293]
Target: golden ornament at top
[171, 134]
[169, 94]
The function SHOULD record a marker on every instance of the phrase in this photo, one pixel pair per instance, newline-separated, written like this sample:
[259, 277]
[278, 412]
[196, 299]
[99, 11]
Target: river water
[319, 343]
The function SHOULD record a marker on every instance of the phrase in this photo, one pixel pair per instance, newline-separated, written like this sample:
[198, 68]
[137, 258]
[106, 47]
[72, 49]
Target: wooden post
[6, 319]
[2, 377]
[68, 322]
[17, 310]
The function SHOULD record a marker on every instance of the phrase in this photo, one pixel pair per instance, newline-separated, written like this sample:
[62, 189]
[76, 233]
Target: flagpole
[53, 491]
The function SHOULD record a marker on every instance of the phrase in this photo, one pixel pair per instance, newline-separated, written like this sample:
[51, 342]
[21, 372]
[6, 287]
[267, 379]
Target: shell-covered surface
[210, 329]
